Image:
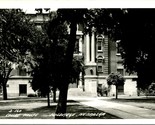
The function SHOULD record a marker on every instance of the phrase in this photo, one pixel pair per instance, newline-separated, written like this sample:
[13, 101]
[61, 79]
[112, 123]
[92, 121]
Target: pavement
[123, 111]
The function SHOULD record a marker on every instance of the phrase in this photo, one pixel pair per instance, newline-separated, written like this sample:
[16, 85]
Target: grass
[33, 108]
[137, 99]
[141, 101]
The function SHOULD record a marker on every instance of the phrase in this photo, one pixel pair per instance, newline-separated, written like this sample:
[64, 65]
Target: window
[91, 72]
[100, 59]
[100, 68]
[99, 45]
[99, 42]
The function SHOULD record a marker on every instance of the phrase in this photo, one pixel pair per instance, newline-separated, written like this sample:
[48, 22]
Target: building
[101, 57]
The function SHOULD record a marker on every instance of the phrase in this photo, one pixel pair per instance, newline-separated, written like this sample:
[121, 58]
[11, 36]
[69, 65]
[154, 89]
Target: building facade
[101, 57]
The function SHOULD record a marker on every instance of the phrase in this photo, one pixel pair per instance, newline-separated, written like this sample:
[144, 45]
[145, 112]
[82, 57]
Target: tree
[5, 69]
[48, 53]
[115, 79]
[52, 49]
[15, 38]
[134, 28]
[41, 81]
[73, 16]
[77, 68]
[134, 34]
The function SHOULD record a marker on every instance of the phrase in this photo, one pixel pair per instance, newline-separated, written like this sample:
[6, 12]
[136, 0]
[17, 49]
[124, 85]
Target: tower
[96, 58]
[90, 78]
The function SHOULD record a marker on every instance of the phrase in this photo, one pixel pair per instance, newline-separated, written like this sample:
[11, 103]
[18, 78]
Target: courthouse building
[101, 57]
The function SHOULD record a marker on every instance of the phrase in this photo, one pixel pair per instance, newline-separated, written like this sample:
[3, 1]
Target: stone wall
[130, 86]
[91, 85]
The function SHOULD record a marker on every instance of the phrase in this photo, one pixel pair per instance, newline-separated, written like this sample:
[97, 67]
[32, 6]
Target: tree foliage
[135, 30]
[16, 34]
[73, 17]
[137, 40]
[48, 53]
[115, 79]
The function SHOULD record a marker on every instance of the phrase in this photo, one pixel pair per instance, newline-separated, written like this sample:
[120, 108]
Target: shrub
[115, 79]
[31, 95]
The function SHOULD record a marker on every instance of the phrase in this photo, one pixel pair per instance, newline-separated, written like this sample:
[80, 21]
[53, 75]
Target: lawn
[36, 108]
[141, 101]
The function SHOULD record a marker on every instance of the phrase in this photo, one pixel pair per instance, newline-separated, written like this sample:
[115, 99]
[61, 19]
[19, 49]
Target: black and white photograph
[73, 63]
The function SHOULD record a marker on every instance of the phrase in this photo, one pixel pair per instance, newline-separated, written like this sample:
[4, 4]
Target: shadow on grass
[86, 112]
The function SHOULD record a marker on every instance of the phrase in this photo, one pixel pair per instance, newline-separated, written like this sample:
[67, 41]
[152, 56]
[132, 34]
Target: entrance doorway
[22, 90]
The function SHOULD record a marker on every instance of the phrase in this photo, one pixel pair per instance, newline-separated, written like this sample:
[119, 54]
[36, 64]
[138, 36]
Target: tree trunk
[54, 95]
[83, 83]
[4, 83]
[62, 102]
[116, 92]
[48, 99]
[4, 91]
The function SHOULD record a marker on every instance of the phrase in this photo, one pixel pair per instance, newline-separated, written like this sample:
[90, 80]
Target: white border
[77, 121]
[77, 4]
[54, 4]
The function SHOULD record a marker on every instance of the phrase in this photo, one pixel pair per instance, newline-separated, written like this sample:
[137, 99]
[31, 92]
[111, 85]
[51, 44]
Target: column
[80, 81]
[93, 47]
[80, 44]
[87, 48]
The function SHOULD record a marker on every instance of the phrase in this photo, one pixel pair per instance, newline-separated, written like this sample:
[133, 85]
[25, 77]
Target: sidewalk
[120, 110]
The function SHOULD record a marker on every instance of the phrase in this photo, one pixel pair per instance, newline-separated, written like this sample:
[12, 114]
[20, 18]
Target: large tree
[137, 36]
[48, 54]
[135, 29]
[73, 16]
[16, 34]
[52, 50]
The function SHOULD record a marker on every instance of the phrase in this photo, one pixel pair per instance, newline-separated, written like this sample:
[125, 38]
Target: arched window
[100, 39]
[100, 60]
[91, 72]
